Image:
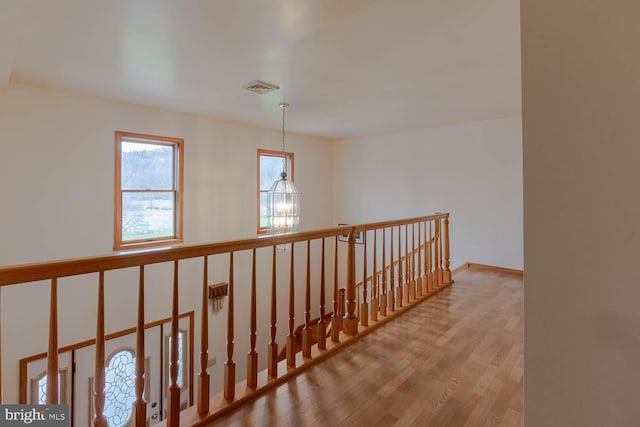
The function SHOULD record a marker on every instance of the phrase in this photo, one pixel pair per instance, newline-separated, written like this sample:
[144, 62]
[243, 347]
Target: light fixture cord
[284, 157]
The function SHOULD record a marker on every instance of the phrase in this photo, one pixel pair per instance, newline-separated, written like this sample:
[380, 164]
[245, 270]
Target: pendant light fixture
[283, 198]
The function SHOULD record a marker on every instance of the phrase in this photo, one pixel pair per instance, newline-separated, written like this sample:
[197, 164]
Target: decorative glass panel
[42, 391]
[119, 390]
[180, 358]
[39, 388]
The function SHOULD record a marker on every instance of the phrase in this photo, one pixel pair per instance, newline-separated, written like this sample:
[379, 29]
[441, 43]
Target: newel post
[447, 271]
[351, 320]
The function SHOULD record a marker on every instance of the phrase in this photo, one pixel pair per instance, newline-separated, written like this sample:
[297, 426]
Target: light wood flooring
[455, 359]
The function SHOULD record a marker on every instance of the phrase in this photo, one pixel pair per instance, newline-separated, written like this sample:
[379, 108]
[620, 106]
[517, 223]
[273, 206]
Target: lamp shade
[283, 206]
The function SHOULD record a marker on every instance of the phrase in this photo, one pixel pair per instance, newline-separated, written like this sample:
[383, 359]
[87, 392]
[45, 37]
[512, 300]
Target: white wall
[56, 199]
[581, 91]
[473, 171]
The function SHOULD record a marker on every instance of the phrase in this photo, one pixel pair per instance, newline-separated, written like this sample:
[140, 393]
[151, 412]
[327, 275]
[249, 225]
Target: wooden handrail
[23, 273]
[395, 223]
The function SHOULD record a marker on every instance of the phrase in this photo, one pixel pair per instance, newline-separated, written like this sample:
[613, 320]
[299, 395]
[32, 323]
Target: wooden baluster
[408, 264]
[307, 336]
[414, 292]
[0, 345]
[173, 395]
[99, 419]
[441, 252]
[431, 253]
[291, 339]
[342, 302]
[399, 289]
[351, 320]
[364, 312]
[252, 357]
[358, 303]
[52, 355]
[322, 325]
[440, 271]
[425, 273]
[436, 256]
[419, 279]
[383, 299]
[447, 271]
[374, 279]
[392, 280]
[336, 320]
[230, 365]
[272, 362]
[203, 377]
[140, 406]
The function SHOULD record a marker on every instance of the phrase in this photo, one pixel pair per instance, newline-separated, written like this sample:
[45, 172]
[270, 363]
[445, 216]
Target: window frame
[271, 153]
[178, 186]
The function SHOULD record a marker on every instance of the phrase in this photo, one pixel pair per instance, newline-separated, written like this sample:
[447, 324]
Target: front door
[77, 370]
[120, 360]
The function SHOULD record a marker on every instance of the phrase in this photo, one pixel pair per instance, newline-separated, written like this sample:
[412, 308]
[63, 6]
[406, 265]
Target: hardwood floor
[456, 359]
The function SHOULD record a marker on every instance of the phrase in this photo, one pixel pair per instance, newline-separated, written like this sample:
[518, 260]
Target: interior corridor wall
[581, 91]
[56, 199]
[473, 171]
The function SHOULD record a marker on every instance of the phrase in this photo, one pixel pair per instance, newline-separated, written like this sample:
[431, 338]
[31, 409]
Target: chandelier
[283, 198]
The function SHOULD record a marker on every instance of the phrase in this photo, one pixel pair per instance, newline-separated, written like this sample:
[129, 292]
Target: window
[148, 190]
[270, 165]
[119, 390]
[182, 360]
[39, 388]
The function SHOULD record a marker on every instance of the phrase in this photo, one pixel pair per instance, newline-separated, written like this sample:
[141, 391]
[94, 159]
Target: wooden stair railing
[315, 334]
[389, 290]
[419, 286]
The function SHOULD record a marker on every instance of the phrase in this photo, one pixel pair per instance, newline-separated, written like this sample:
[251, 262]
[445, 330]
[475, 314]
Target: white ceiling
[347, 67]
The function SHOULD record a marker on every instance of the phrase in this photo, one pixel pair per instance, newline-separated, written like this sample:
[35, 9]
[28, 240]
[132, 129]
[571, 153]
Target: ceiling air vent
[261, 87]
